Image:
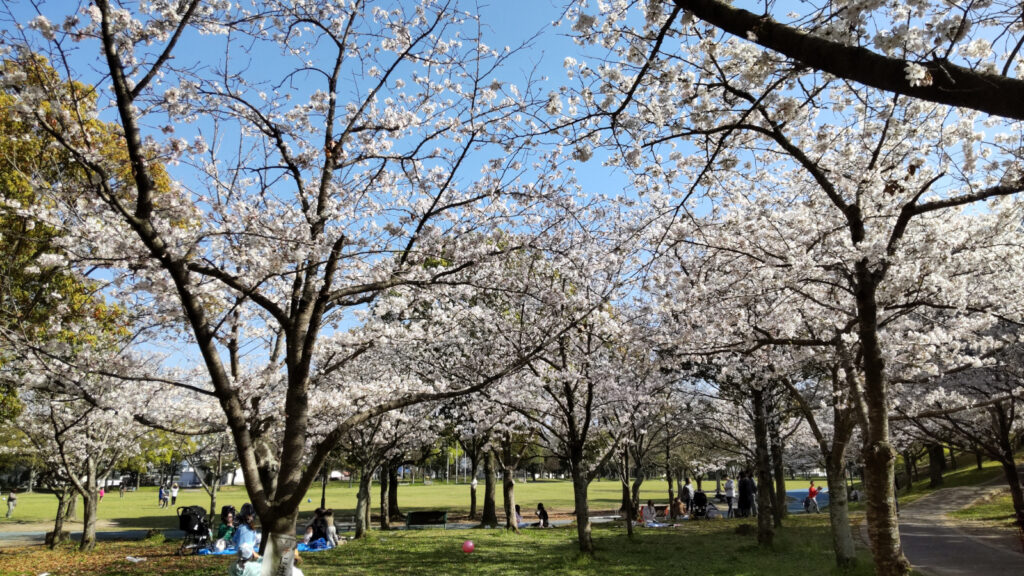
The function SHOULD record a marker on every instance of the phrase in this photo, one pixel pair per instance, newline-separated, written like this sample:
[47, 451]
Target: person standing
[688, 495]
[812, 498]
[746, 495]
[174, 494]
[160, 496]
[730, 496]
[121, 490]
[12, 501]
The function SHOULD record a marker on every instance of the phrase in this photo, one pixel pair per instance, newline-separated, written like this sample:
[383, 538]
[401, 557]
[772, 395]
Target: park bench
[424, 518]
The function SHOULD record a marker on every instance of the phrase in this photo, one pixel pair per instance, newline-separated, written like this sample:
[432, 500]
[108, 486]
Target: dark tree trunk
[908, 468]
[490, 515]
[978, 458]
[952, 459]
[385, 513]
[627, 500]
[474, 466]
[765, 524]
[393, 510]
[936, 464]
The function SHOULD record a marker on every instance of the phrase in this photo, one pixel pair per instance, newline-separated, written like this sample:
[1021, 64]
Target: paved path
[937, 545]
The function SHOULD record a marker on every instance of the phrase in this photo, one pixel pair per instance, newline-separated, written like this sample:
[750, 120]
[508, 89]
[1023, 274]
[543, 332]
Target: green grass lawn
[139, 510]
[709, 548]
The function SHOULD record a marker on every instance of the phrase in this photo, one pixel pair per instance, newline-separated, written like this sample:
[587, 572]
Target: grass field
[139, 510]
[706, 548]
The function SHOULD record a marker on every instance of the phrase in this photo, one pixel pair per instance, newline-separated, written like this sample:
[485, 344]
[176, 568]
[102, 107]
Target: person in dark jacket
[746, 492]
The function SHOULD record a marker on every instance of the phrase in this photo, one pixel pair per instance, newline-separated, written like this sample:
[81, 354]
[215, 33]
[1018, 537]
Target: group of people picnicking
[738, 495]
[237, 532]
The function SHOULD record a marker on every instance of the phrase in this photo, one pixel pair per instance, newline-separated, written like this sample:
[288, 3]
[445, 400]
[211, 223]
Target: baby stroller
[699, 506]
[192, 519]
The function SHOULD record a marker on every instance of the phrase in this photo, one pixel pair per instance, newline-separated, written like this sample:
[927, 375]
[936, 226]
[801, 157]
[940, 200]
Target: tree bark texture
[490, 514]
[878, 453]
[385, 513]
[363, 504]
[765, 514]
[508, 492]
[393, 509]
[580, 485]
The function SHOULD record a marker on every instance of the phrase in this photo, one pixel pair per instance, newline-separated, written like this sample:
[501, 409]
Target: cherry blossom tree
[305, 187]
[966, 55]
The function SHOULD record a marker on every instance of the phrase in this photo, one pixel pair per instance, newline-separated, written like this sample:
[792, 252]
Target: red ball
[467, 546]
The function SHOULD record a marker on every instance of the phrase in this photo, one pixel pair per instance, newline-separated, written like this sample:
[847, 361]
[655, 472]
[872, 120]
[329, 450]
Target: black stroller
[699, 506]
[192, 519]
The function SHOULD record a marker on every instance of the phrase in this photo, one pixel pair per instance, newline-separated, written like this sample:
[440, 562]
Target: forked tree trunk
[363, 504]
[490, 515]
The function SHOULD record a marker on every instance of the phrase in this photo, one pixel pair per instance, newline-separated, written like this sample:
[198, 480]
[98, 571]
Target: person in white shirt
[730, 495]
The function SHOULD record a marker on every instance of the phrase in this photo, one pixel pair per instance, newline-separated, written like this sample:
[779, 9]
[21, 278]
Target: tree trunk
[908, 468]
[580, 484]
[213, 496]
[671, 491]
[936, 464]
[63, 500]
[627, 500]
[838, 507]
[89, 501]
[474, 466]
[878, 453]
[385, 513]
[765, 523]
[363, 503]
[396, 513]
[779, 472]
[490, 515]
[978, 458]
[638, 480]
[508, 492]
[72, 510]
[31, 479]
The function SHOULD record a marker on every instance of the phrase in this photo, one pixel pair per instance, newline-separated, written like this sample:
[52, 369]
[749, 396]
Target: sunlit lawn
[139, 510]
[706, 548]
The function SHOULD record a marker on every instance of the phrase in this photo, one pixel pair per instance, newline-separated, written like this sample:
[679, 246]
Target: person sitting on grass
[248, 562]
[542, 514]
[227, 525]
[648, 513]
[244, 532]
